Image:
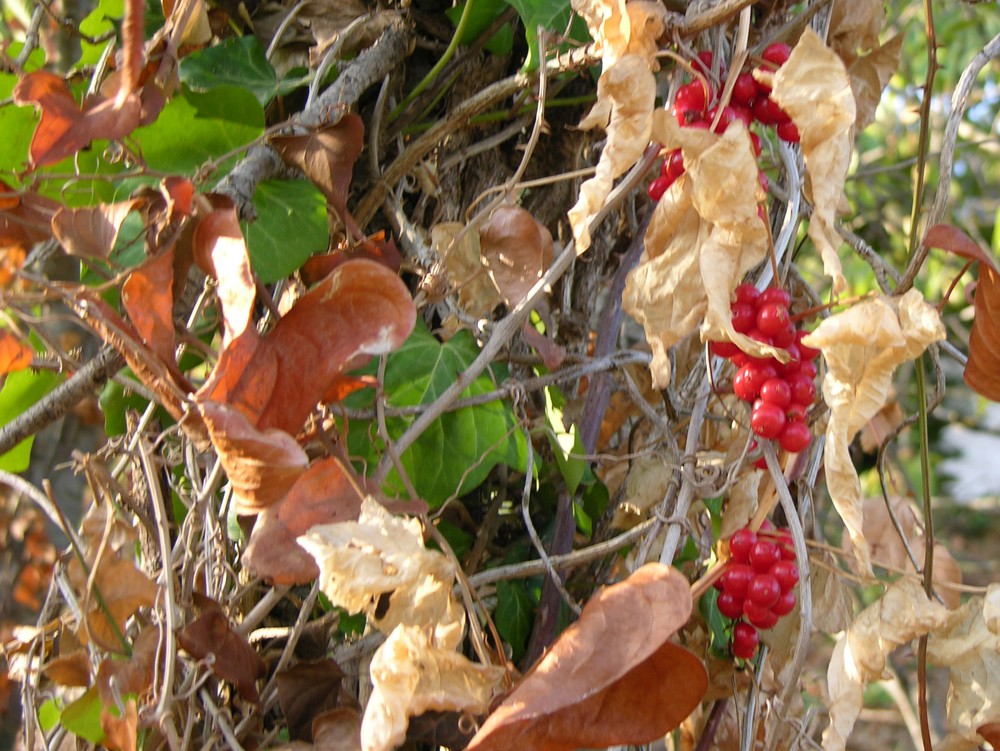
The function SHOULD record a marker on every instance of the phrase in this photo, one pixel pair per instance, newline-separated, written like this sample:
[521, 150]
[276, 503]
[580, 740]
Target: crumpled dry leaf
[123, 588]
[869, 76]
[91, 231]
[885, 421]
[855, 24]
[832, 606]
[517, 251]
[862, 347]
[611, 678]
[14, 354]
[645, 486]
[121, 731]
[814, 89]
[382, 556]
[970, 648]
[463, 266]
[306, 690]
[704, 236]
[147, 296]
[902, 614]
[626, 94]
[619, 28]
[234, 659]
[411, 674]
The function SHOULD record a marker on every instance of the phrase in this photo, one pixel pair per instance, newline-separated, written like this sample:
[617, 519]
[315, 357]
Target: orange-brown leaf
[611, 678]
[235, 660]
[148, 297]
[121, 731]
[25, 218]
[14, 354]
[117, 677]
[516, 249]
[91, 231]
[982, 371]
[305, 691]
[124, 589]
[221, 252]
[951, 238]
[69, 670]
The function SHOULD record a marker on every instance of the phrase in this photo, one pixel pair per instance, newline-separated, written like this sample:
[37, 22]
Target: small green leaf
[83, 717]
[514, 615]
[22, 390]
[718, 625]
[552, 15]
[114, 402]
[291, 225]
[566, 443]
[458, 539]
[483, 13]
[48, 715]
[238, 62]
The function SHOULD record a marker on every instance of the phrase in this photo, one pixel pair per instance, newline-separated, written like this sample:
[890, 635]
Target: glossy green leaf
[237, 62]
[566, 444]
[17, 124]
[514, 615]
[83, 717]
[291, 225]
[21, 390]
[483, 13]
[194, 129]
[552, 15]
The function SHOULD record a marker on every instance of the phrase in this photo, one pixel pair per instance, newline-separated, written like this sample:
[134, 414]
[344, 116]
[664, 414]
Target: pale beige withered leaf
[901, 615]
[382, 555]
[463, 266]
[645, 487]
[648, 21]
[410, 675]
[947, 573]
[517, 251]
[881, 426]
[832, 606]
[970, 647]
[854, 25]
[619, 28]
[863, 346]
[869, 76]
[814, 89]
[626, 95]
[705, 234]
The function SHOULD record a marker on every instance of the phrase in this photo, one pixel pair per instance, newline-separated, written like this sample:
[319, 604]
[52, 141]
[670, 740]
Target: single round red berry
[786, 573]
[674, 164]
[773, 318]
[788, 132]
[808, 353]
[760, 617]
[776, 391]
[745, 89]
[762, 555]
[659, 186]
[793, 365]
[764, 590]
[785, 604]
[737, 578]
[803, 389]
[767, 111]
[767, 420]
[740, 544]
[750, 378]
[777, 53]
[730, 605]
[690, 102]
[744, 316]
[777, 295]
[723, 349]
[808, 368]
[795, 436]
[745, 640]
[794, 413]
[747, 293]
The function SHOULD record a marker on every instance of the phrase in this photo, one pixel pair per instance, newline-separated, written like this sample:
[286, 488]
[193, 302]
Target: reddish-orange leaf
[611, 678]
[148, 297]
[982, 371]
[235, 660]
[991, 732]
[120, 677]
[121, 731]
[306, 690]
[124, 589]
[25, 218]
[551, 351]
[65, 128]
[376, 248]
[14, 354]
[325, 494]
[91, 232]
[951, 238]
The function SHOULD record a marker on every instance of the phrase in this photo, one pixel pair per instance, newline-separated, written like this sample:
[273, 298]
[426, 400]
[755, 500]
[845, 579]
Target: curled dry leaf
[902, 614]
[611, 678]
[148, 298]
[982, 371]
[121, 728]
[234, 659]
[832, 605]
[516, 249]
[411, 674]
[814, 89]
[124, 589]
[619, 28]
[91, 231]
[854, 25]
[116, 678]
[704, 236]
[869, 76]
[862, 347]
[626, 94]
[14, 354]
[306, 690]
[462, 261]
[25, 218]
[71, 669]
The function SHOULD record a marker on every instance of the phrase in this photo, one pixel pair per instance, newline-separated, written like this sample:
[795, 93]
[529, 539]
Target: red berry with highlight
[745, 640]
[729, 605]
[745, 89]
[747, 293]
[763, 554]
[737, 578]
[744, 316]
[788, 132]
[760, 617]
[740, 544]
[795, 436]
[786, 573]
[764, 590]
[773, 318]
[767, 420]
[777, 53]
[785, 604]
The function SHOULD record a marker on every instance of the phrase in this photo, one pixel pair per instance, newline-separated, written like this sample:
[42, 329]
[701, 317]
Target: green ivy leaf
[553, 15]
[514, 615]
[194, 129]
[83, 717]
[566, 443]
[21, 390]
[291, 225]
[237, 62]
[48, 715]
[18, 125]
[483, 13]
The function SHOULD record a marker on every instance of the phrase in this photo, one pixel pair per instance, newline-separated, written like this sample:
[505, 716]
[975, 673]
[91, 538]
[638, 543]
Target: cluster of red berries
[758, 586]
[696, 106]
[779, 392]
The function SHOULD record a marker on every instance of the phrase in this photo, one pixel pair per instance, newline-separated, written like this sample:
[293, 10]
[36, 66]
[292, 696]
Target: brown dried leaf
[814, 89]
[116, 678]
[869, 76]
[412, 673]
[610, 678]
[950, 238]
[121, 731]
[25, 219]
[885, 421]
[854, 25]
[338, 730]
[124, 589]
[832, 606]
[326, 494]
[14, 354]
[147, 296]
[626, 94]
[516, 249]
[72, 669]
[235, 660]
[902, 614]
[982, 371]
[863, 346]
[464, 268]
[305, 691]
[221, 252]
[91, 231]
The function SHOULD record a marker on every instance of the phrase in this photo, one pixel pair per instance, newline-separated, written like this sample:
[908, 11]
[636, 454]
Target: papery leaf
[412, 674]
[305, 691]
[327, 156]
[69, 670]
[326, 493]
[832, 604]
[116, 678]
[121, 731]
[462, 261]
[14, 354]
[855, 24]
[91, 231]
[902, 614]
[124, 589]
[611, 678]
[626, 94]
[982, 371]
[25, 219]
[516, 249]
[262, 465]
[619, 28]
[337, 730]
[869, 76]
[235, 660]
[147, 296]
[65, 127]
[863, 346]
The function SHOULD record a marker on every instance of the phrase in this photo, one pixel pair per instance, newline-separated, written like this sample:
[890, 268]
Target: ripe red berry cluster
[696, 106]
[758, 585]
[779, 392]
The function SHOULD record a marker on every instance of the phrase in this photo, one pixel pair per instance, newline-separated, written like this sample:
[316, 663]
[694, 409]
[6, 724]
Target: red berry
[795, 436]
[673, 165]
[772, 318]
[659, 186]
[759, 336]
[745, 89]
[786, 337]
[777, 295]
[767, 111]
[729, 605]
[763, 554]
[788, 132]
[704, 61]
[723, 349]
[786, 573]
[744, 316]
[777, 53]
[758, 616]
[747, 293]
[793, 365]
[740, 544]
[808, 353]
[786, 546]
[767, 420]
[690, 102]
[764, 590]
[808, 369]
[803, 389]
[776, 391]
[794, 413]
[737, 578]
[750, 378]
[785, 604]
[745, 640]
